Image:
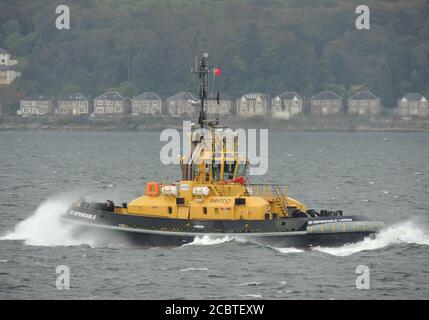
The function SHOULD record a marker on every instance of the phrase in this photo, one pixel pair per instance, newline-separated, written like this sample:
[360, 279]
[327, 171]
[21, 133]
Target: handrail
[283, 200]
[265, 189]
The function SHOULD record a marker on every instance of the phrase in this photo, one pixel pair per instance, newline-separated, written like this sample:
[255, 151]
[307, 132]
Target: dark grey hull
[285, 232]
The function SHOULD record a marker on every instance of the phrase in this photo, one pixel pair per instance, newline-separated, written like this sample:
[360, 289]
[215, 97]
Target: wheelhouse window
[216, 171]
[228, 170]
[241, 170]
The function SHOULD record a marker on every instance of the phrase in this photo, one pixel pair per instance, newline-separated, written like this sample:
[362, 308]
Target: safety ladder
[280, 200]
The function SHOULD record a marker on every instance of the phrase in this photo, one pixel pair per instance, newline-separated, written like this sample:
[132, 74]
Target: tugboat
[215, 198]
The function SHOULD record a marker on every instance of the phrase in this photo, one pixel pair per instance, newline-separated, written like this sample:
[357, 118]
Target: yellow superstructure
[213, 187]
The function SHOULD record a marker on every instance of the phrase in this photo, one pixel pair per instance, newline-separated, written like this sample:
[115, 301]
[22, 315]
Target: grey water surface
[382, 175]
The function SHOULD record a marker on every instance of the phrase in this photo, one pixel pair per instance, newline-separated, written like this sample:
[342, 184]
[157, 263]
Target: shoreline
[301, 123]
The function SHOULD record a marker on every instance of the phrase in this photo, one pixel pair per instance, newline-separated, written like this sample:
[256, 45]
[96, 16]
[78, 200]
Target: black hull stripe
[195, 234]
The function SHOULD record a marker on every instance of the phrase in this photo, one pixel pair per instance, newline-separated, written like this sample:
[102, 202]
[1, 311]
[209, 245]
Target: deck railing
[267, 190]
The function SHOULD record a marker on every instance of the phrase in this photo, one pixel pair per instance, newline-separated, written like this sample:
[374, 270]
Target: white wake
[44, 226]
[402, 233]
[207, 240]
[289, 250]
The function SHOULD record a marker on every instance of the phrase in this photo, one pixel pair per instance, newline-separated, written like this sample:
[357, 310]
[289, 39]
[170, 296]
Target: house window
[118, 102]
[109, 103]
[99, 102]
[295, 102]
[118, 109]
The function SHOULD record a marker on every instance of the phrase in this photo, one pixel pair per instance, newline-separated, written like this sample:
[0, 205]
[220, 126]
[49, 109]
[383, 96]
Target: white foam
[194, 269]
[250, 295]
[405, 232]
[207, 240]
[289, 250]
[44, 227]
[253, 283]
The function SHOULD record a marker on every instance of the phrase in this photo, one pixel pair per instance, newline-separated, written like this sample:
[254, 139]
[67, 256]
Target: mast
[204, 170]
[202, 71]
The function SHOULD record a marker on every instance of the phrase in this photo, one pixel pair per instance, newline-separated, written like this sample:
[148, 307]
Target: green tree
[11, 26]
[385, 86]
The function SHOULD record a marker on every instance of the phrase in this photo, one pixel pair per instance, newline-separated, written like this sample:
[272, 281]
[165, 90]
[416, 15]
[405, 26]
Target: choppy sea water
[383, 175]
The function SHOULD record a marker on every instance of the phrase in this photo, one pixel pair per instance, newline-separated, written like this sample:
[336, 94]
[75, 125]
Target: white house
[8, 74]
[146, 103]
[286, 105]
[252, 104]
[413, 104]
[110, 103]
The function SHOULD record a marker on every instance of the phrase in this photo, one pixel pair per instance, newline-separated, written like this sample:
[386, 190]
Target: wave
[402, 233]
[289, 250]
[251, 295]
[194, 269]
[253, 283]
[207, 240]
[44, 226]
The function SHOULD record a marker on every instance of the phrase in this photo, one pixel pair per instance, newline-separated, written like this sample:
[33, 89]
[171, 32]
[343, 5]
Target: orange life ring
[152, 189]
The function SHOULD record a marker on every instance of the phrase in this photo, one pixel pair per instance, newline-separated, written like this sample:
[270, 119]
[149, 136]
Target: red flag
[239, 180]
[217, 72]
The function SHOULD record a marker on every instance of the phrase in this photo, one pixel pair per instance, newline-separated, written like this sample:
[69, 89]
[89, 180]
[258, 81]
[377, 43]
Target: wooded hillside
[262, 45]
